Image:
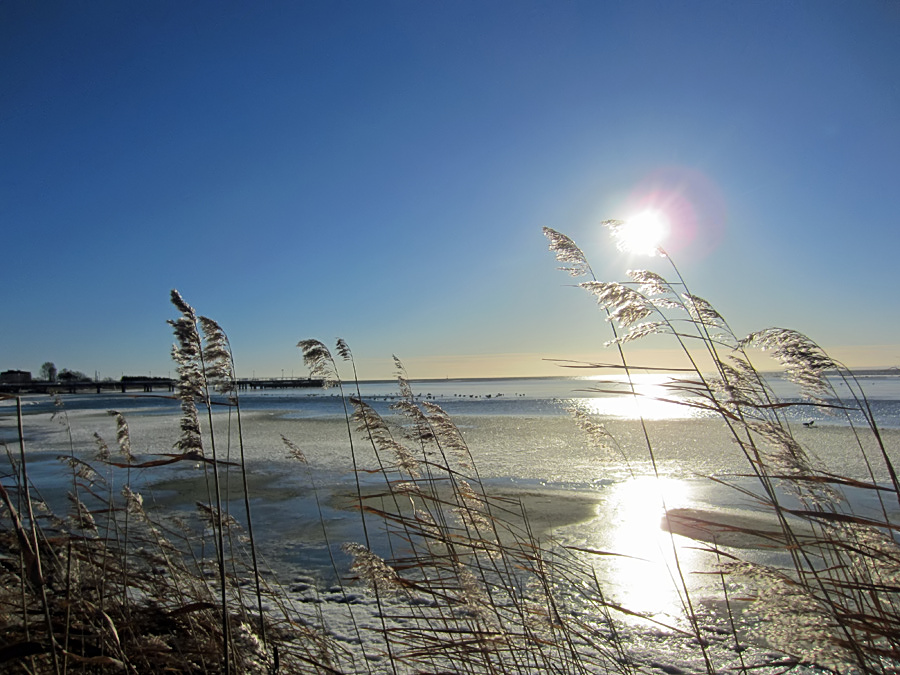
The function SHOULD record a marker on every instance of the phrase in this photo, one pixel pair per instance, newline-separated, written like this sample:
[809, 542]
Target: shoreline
[547, 508]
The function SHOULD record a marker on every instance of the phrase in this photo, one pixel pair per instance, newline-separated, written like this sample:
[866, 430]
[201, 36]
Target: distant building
[15, 377]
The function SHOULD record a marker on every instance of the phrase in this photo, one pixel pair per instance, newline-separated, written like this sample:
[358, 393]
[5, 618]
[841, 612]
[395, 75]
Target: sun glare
[644, 233]
[652, 399]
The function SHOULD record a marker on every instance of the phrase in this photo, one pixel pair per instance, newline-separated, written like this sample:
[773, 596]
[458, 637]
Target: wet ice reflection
[653, 398]
[644, 573]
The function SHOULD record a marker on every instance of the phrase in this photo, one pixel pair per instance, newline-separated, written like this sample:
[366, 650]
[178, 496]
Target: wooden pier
[146, 385]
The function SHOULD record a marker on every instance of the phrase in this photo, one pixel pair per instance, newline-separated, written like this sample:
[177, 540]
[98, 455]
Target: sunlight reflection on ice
[645, 574]
[653, 399]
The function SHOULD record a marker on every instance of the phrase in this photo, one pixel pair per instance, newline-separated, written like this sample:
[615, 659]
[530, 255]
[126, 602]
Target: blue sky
[381, 171]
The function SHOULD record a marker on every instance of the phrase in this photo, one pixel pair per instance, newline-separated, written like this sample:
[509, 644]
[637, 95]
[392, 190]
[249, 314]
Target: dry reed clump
[113, 586]
[836, 605]
[459, 583]
[457, 580]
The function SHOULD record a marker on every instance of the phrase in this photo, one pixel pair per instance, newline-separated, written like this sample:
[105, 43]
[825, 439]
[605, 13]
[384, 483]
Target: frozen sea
[524, 443]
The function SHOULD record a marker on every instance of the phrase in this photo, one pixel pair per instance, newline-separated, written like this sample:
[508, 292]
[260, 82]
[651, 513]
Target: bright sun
[643, 233]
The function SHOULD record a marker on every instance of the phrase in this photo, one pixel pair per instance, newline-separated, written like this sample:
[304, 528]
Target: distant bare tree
[48, 371]
[66, 375]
